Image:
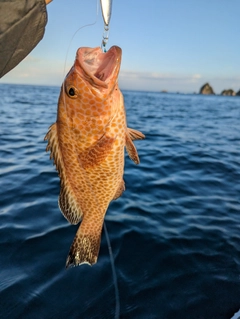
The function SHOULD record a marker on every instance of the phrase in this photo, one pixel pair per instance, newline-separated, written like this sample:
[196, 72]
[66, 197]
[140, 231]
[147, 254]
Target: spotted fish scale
[87, 145]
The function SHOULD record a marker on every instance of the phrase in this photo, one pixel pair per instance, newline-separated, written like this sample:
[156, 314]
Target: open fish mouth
[98, 68]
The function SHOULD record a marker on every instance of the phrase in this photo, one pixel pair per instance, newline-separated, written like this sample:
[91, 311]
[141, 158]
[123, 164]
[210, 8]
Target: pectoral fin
[96, 153]
[135, 135]
[131, 149]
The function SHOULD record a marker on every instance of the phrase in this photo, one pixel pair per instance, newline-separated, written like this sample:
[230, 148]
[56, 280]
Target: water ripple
[174, 232]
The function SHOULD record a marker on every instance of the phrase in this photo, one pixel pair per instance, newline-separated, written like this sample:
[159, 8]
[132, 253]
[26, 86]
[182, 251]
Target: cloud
[33, 70]
[30, 58]
[158, 76]
[155, 81]
[186, 83]
[197, 76]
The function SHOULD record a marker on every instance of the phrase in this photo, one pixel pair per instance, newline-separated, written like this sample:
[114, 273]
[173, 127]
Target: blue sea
[175, 232]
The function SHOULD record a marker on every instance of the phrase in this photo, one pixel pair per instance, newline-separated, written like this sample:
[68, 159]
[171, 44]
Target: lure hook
[106, 6]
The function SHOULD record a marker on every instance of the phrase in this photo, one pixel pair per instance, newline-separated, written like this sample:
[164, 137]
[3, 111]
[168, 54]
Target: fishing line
[80, 28]
[117, 300]
[70, 43]
[114, 275]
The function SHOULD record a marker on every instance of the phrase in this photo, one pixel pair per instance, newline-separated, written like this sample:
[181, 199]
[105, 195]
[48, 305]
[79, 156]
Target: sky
[173, 45]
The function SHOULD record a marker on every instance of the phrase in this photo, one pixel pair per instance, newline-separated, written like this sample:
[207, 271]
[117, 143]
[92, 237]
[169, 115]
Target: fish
[87, 144]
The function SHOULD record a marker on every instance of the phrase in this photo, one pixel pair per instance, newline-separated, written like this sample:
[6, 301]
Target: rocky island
[206, 89]
[228, 92]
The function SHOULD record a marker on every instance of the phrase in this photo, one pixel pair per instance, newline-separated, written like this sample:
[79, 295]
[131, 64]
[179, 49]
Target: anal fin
[68, 205]
[120, 190]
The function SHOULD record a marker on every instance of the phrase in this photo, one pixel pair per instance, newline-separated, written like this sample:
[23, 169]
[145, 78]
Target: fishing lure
[106, 6]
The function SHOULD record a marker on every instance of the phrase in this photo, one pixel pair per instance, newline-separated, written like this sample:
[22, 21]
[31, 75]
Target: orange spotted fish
[87, 144]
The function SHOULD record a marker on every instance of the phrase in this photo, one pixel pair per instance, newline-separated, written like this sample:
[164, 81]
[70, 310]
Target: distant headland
[208, 90]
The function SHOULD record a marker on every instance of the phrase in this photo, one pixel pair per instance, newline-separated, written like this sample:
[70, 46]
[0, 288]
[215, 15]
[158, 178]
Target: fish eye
[72, 92]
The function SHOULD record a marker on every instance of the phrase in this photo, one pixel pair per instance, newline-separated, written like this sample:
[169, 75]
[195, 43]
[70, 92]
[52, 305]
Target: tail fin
[85, 248]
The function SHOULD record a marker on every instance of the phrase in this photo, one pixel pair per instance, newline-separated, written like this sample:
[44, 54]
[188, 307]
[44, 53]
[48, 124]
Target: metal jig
[106, 6]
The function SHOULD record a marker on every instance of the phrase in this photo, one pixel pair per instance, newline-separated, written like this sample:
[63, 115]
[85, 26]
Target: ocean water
[175, 232]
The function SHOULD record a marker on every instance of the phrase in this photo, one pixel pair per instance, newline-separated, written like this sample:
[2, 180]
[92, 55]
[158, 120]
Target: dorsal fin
[67, 202]
[52, 145]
